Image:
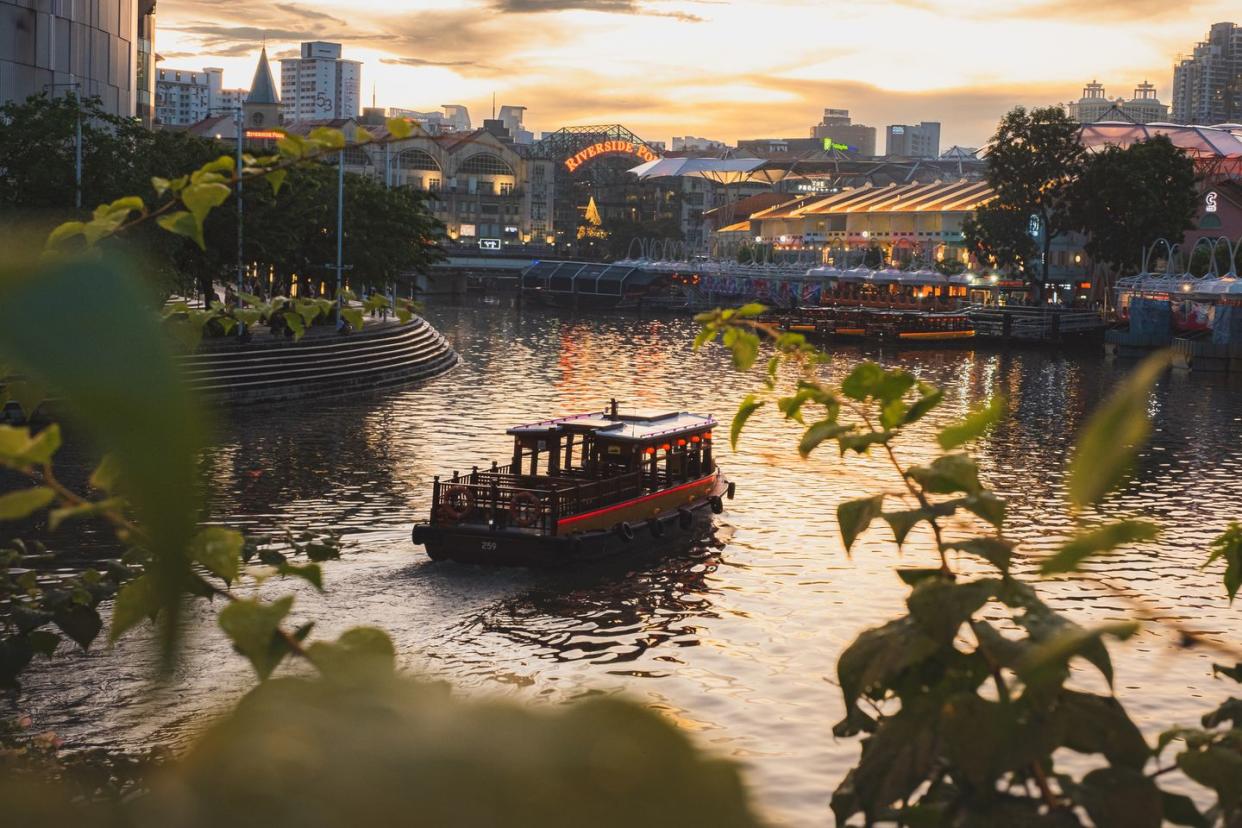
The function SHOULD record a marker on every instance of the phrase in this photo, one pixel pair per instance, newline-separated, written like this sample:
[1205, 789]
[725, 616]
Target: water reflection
[740, 642]
[615, 613]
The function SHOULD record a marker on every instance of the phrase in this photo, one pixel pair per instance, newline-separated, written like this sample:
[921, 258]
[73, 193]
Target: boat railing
[506, 500]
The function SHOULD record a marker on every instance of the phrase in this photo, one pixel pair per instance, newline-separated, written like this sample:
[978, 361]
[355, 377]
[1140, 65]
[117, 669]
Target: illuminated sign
[830, 145]
[609, 148]
[264, 134]
[489, 244]
[1211, 202]
[468, 230]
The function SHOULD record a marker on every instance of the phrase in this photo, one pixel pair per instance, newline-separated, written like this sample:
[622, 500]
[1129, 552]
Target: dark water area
[737, 641]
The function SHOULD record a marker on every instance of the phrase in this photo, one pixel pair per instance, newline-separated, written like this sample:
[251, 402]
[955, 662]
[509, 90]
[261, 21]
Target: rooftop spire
[263, 87]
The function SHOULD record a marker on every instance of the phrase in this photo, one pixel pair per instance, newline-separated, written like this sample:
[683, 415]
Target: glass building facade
[53, 45]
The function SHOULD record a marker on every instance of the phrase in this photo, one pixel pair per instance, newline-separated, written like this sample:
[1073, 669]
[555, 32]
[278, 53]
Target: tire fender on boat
[656, 527]
[685, 517]
[716, 503]
[732, 490]
[417, 534]
[624, 531]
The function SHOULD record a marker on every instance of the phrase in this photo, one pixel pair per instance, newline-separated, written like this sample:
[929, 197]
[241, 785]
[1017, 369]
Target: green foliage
[1124, 198]
[967, 700]
[1112, 435]
[1033, 160]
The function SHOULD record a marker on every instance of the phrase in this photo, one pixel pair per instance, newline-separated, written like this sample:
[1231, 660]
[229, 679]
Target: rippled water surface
[736, 642]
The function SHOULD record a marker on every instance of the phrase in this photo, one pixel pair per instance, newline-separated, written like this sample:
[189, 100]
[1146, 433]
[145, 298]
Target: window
[506, 188]
[433, 185]
[484, 163]
[415, 159]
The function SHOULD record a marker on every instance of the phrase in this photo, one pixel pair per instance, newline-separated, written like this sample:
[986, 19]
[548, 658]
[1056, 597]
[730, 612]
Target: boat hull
[653, 526]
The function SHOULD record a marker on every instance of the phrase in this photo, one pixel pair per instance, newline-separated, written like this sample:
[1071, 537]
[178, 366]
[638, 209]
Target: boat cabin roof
[628, 426]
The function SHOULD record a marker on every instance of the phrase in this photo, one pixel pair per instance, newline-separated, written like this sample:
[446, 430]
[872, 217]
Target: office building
[913, 141]
[320, 84]
[1095, 106]
[837, 129]
[1207, 85]
[511, 117]
[102, 48]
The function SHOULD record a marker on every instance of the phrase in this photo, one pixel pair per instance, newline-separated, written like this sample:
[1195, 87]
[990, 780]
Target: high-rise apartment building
[184, 97]
[320, 85]
[101, 48]
[836, 128]
[913, 141]
[1207, 85]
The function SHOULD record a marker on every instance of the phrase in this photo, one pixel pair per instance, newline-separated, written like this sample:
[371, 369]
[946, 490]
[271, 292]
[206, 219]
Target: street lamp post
[77, 141]
[240, 124]
[340, 234]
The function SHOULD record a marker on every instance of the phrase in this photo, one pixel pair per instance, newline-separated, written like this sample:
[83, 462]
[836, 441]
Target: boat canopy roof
[629, 426]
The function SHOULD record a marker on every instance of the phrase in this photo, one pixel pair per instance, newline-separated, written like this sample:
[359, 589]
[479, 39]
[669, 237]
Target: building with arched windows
[488, 191]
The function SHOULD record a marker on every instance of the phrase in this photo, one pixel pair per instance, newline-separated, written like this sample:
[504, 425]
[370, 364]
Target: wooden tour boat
[580, 488]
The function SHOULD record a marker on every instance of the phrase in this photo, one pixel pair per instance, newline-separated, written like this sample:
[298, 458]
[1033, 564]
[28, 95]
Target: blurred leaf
[29, 395]
[136, 602]
[1047, 662]
[65, 232]
[219, 550]
[913, 577]
[862, 381]
[1181, 810]
[358, 651]
[328, 137]
[1230, 711]
[24, 503]
[1102, 539]
[854, 516]
[1121, 798]
[893, 385]
[893, 414]
[295, 324]
[862, 443]
[976, 424]
[940, 606]
[253, 628]
[877, 656]
[1229, 547]
[80, 623]
[898, 759]
[81, 511]
[931, 397]
[983, 739]
[183, 224]
[1099, 724]
[751, 310]
[996, 551]
[311, 573]
[43, 642]
[1218, 768]
[276, 178]
[399, 128]
[748, 407]
[106, 474]
[987, 506]
[818, 433]
[947, 475]
[1108, 442]
[354, 317]
[1234, 672]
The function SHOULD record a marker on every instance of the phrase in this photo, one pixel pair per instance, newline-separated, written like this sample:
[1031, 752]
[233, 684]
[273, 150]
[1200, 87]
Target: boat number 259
[488, 546]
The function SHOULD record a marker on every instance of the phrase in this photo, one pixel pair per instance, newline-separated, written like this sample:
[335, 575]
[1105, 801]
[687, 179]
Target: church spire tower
[262, 105]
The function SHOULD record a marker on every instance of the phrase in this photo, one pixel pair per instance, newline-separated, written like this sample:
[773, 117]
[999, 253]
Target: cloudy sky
[723, 69]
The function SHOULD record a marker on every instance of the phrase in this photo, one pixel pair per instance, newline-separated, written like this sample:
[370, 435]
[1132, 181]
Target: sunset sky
[713, 68]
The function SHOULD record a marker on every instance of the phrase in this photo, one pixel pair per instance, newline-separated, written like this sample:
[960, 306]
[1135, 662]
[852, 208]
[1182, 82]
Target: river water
[736, 641]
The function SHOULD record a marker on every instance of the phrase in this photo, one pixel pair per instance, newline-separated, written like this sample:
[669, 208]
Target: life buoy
[656, 528]
[624, 531]
[716, 503]
[456, 502]
[525, 509]
[685, 517]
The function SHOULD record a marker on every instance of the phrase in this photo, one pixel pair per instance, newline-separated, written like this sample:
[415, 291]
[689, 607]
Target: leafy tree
[1125, 199]
[999, 235]
[1033, 160]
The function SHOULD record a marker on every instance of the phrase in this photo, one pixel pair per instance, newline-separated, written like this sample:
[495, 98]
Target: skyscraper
[837, 128]
[1207, 86]
[320, 85]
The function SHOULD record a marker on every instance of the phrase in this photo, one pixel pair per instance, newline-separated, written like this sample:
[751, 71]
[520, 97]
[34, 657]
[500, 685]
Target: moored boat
[582, 487]
[911, 327]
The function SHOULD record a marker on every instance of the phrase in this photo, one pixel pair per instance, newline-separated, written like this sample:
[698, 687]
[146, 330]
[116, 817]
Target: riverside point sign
[609, 148]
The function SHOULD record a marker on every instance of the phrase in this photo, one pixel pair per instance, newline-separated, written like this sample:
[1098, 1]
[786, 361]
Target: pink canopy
[1202, 142]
